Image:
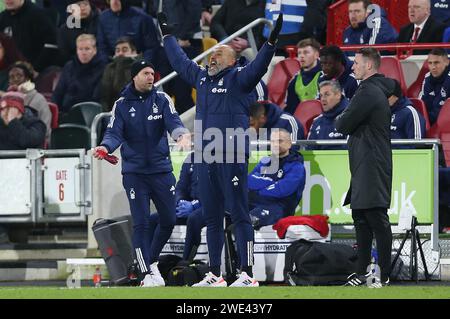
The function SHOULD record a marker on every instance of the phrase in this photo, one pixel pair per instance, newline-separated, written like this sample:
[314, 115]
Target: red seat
[48, 79]
[443, 129]
[55, 114]
[306, 112]
[415, 88]
[282, 73]
[391, 68]
[419, 105]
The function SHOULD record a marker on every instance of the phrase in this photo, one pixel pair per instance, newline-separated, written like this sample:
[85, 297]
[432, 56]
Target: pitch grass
[392, 292]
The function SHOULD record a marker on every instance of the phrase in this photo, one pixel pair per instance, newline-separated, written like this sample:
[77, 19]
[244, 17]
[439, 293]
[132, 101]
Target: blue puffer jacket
[187, 185]
[406, 122]
[324, 128]
[79, 83]
[279, 191]
[130, 22]
[434, 93]
[222, 100]
[276, 118]
[140, 122]
[380, 32]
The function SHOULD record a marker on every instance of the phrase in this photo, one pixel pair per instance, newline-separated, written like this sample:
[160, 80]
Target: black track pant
[370, 222]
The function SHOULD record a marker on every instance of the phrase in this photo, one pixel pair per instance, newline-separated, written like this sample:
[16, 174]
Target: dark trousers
[370, 222]
[223, 187]
[140, 189]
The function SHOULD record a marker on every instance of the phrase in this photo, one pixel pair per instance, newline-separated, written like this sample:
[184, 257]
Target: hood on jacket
[387, 85]
[401, 103]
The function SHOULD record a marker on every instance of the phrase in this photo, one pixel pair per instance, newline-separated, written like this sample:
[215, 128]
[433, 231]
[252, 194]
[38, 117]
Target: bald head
[222, 57]
[418, 11]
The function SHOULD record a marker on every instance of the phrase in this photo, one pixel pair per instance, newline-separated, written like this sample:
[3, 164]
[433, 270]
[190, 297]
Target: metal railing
[246, 29]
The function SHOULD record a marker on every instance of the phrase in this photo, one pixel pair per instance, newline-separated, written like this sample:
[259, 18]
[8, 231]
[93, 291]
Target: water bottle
[97, 278]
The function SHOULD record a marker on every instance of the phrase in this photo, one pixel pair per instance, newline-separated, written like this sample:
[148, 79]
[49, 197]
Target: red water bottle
[97, 278]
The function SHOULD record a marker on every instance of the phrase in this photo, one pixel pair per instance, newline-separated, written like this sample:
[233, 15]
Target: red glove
[110, 158]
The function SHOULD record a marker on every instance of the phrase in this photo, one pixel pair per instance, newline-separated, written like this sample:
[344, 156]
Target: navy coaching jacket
[279, 191]
[140, 122]
[222, 100]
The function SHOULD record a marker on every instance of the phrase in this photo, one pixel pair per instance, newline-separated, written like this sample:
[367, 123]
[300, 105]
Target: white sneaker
[245, 280]
[211, 280]
[148, 281]
[156, 274]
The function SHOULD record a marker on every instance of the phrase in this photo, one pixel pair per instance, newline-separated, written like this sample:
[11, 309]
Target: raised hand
[276, 30]
[162, 20]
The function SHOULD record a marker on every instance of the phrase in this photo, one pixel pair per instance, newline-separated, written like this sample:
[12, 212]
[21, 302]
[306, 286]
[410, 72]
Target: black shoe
[355, 280]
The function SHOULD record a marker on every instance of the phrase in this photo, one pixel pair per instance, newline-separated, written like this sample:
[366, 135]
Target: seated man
[436, 85]
[406, 122]
[323, 127]
[80, 78]
[276, 183]
[367, 24]
[304, 85]
[266, 116]
[336, 66]
[19, 128]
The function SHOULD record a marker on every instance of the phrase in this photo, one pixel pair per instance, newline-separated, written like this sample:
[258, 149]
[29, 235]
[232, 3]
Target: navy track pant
[223, 187]
[140, 189]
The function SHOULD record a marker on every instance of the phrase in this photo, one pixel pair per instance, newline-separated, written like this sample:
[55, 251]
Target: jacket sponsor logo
[154, 117]
[220, 90]
[132, 110]
[335, 135]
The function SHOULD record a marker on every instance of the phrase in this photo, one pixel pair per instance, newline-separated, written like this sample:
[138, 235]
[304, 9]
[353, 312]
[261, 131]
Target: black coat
[33, 32]
[367, 121]
[27, 132]
[432, 32]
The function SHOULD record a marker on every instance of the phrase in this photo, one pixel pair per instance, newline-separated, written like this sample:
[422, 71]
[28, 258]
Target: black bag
[318, 264]
[114, 241]
[166, 263]
[187, 275]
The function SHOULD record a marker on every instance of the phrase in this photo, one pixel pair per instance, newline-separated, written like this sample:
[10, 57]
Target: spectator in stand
[8, 55]
[290, 33]
[336, 66]
[67, 35]
[207, 11]
[234, 15]
[422, 28]
[123, 20]
[185, 16]
[315, 20]
[406, 122]
[446, 37]
[81, 77]
[323, 126]
[436, 85]
[440, 10]
[32, 31]
[368, 24]
[21, 79]
[304, 85]
[266, 116]
[118, 73]
[19, 129]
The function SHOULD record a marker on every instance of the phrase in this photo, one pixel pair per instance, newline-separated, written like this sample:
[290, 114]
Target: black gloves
[162, 20]
[276, 30]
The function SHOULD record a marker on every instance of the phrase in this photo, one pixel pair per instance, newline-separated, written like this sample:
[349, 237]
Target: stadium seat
[415, 87]
[419, 105]
[68, 136]
[443, 130]
[306, 112]
[282, 73]
[83, 113]
[55, 114]
[48, 79]
[391, 68]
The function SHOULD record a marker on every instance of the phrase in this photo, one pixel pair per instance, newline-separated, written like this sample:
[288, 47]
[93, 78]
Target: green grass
[393, 292]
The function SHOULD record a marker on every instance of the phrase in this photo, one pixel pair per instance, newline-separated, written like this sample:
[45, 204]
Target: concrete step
[24, 252]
